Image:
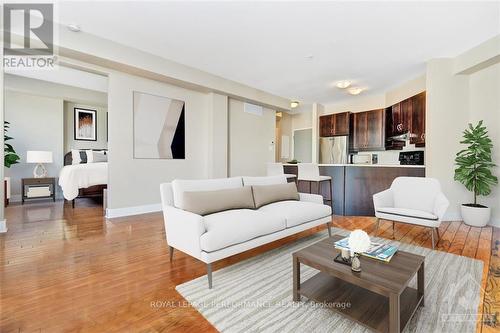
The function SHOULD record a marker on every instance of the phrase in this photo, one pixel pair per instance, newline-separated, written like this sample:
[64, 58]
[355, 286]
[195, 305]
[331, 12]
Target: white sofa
[219, 235]
[412, 200]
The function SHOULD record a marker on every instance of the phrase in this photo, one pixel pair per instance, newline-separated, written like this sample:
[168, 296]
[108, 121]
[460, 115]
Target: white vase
[476, 216]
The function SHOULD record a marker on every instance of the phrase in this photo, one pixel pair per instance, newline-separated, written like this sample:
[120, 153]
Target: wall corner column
[218, 136]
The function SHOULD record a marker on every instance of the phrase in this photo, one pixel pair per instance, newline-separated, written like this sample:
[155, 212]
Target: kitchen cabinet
[362, 182]
[418, 120]
[334, 124]
[326, 125]
[407, 116]
[368, 130]
[353, 186]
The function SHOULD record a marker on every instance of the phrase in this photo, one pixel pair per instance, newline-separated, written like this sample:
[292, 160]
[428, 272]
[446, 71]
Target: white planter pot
[476, 216]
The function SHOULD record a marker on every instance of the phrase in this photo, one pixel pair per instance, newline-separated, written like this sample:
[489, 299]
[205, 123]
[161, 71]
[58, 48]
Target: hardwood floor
[73, 270]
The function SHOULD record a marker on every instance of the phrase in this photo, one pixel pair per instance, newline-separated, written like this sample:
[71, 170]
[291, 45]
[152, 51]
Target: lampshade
[37, 156]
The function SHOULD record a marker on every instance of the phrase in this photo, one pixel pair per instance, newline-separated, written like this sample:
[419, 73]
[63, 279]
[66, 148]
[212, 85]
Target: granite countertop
[369, 165]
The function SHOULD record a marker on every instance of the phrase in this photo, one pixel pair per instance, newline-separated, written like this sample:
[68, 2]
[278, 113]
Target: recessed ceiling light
[309, 56]
[294, 104]
[354, 90]
[343, 84]
[74, 27]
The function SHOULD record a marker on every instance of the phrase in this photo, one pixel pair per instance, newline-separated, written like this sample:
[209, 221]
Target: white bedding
[74, 177]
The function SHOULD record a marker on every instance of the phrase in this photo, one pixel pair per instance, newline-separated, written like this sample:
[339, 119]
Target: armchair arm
[441, 205]
[383, 199]
[183, 230]
[309, 197]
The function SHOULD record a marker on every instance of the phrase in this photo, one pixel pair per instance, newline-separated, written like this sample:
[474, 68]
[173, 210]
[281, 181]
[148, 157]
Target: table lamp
[39, 157]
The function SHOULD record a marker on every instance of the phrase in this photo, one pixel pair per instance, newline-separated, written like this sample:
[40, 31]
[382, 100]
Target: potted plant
[473, 170]
[10, 156]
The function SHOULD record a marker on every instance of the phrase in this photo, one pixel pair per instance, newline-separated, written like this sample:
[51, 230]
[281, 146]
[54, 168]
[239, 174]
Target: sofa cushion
[297, 212]
[269, 180]
[237, 226]
[179, 186]
[208, 202]
[266, 194]
[406, 212]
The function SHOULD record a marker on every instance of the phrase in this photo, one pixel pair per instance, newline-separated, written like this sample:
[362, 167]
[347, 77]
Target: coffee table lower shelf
[367, 308]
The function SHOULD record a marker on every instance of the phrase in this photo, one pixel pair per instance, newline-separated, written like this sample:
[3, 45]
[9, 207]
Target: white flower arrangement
[359, 241]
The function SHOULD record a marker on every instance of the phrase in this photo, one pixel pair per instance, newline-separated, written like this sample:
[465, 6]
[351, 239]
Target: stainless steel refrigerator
[333, 150]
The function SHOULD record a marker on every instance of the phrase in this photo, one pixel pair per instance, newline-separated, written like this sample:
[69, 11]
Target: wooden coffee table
[378, 297]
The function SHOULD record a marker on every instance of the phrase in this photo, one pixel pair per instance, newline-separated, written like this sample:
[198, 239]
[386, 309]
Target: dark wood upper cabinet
[407, 116]
[341, 123]
[368, 130]
[359, 130]
[418, 120]
[325, 125]
[334, 124]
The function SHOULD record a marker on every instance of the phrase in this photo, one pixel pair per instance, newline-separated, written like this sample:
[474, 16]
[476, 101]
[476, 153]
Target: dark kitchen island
[355, 184]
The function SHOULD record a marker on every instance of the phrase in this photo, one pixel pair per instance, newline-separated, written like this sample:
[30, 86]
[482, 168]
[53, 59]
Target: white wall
[69, 127]
[55, 90]
[36, 124]
[356, 104]
[135, 182]
[453, 101]
[484, 104]
[251, 140]
[446, 116]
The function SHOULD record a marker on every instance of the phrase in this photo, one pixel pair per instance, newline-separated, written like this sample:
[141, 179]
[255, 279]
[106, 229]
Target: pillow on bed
[99, 156]
[75, 156]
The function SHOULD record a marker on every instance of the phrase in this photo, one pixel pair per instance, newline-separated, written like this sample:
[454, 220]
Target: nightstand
[38, 188]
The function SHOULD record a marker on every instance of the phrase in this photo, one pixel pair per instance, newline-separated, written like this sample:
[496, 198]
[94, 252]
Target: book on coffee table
[377, 251]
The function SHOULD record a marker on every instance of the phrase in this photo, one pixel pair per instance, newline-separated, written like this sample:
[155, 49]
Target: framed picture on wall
[85, 124]
[158, 127]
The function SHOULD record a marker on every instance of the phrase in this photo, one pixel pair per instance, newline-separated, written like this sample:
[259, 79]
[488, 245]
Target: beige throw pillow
[266, 194]
[208, 202]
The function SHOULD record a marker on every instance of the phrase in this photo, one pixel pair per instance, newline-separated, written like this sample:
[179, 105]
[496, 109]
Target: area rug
[255, 295]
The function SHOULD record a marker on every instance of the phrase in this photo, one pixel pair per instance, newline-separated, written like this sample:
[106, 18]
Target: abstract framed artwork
[85, 124]
[158, 127]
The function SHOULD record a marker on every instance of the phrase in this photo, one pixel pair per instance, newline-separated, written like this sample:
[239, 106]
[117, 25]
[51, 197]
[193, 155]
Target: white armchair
[413, 200]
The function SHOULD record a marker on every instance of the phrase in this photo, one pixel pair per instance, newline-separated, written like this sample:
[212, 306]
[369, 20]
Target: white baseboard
[3, 226]
[452, 217]
[136, 210]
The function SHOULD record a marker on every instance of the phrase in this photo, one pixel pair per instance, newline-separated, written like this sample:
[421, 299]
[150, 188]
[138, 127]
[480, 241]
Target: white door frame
[293, 140]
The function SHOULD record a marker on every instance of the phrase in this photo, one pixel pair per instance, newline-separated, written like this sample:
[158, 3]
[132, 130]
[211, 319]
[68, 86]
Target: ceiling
[296, 50]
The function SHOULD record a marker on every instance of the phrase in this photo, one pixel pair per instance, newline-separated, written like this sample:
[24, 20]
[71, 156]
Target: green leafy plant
[474, 163]
[10, 156]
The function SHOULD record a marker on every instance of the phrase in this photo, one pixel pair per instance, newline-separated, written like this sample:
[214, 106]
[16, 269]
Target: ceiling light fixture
[74, 27]
[294, 104]
[343, 84]
[354, 90]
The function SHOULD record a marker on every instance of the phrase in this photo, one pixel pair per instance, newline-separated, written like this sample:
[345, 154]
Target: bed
[83, 180]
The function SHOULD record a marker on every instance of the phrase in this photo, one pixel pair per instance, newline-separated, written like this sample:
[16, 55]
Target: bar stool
[276, 169]
[309, 172]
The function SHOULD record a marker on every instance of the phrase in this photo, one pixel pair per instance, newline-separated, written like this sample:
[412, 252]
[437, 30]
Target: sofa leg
[376, 226]
[209, 275]
[432, 237]
[171, 252]
[329, 229]
[392, 229]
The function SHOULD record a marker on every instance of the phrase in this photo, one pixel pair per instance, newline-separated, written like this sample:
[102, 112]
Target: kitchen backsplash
[391, 157]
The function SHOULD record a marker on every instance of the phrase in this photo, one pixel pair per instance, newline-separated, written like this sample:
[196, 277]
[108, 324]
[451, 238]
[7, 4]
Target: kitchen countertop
[368, 165]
